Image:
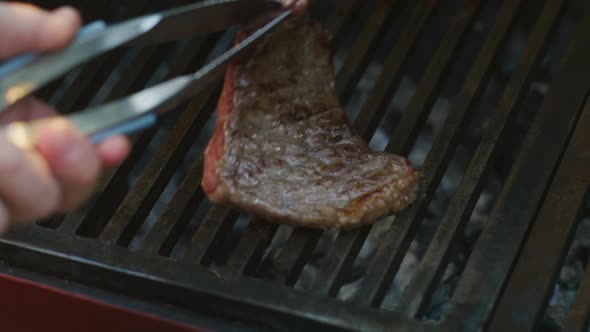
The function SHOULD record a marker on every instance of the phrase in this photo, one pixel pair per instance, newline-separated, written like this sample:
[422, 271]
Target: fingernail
[60, 27]
[59, 21]
[64, 13]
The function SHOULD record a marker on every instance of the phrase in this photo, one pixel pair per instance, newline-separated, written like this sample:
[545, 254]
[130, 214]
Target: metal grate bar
[116, 85]
[406, 131]
[341, 14]
[188, 55]
[91, 221]
[76, 83]
[110, 193]
[114, 187]
[389, 255]
[249, 250]
[189, 285]
[365, 46]
[295, 254]
[253, 242]
[498, 245]
[210, 234]
[457, 214]
[533, 278]
[70, 93]
[83, 87]
[368, 119]
[72, 220]
[51, 89]
[55, 91]
[348, 244]
[173, 222]
[578, 318]
[140, 199]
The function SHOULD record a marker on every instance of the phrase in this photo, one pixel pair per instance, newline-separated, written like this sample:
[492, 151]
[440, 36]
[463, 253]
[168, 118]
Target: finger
[72, 158]
[27, 186]
[26, 28]
[297, 6]
[26, 110]
[113, 150]
[110, 153]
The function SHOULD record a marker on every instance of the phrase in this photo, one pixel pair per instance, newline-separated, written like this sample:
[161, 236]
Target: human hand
[62, 168]
[298, 6]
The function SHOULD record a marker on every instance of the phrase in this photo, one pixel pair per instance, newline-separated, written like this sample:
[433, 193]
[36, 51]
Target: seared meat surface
[283, 148]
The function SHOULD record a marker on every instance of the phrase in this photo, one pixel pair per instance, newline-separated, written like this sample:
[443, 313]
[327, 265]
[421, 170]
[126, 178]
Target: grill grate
[150, 233]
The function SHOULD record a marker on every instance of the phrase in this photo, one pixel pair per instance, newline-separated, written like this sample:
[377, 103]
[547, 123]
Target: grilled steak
[283, 148]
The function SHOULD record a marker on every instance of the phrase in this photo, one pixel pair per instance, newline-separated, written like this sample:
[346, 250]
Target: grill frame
[101, 258]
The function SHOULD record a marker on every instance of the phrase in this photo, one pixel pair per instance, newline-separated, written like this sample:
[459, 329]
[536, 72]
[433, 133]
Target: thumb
[26, 28]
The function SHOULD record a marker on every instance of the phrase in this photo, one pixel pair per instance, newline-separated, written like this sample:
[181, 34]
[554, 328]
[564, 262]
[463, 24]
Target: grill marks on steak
[283, 148]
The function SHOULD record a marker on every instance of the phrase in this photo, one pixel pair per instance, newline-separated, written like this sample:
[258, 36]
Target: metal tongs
[142, 109]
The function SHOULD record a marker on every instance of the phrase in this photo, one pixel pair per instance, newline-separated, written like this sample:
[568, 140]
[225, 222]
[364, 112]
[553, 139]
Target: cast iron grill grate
[488, 98]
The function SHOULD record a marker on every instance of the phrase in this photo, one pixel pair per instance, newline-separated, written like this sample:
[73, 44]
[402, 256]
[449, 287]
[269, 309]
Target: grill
[488, 98]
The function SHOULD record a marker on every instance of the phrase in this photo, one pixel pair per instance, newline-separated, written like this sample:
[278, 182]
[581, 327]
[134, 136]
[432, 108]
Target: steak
[283, 148]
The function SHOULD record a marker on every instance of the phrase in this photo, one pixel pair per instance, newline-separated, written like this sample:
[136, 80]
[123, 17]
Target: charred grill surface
[488, 99]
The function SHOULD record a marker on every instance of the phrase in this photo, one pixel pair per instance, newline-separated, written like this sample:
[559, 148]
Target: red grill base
[28, 306]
